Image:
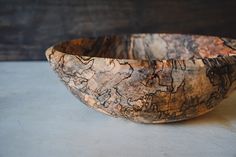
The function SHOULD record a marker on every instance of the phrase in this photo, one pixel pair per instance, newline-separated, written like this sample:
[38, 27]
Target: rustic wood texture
[148, 78]
[28, 27]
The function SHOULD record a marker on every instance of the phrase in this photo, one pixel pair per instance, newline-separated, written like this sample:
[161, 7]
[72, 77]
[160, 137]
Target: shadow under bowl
[148, 78]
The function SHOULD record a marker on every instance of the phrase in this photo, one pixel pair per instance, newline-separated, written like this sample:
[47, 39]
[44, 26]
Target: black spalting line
[130, 74]
[220, 72]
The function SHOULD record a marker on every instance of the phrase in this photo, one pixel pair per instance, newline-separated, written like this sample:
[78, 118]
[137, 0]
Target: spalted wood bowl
[148, 78]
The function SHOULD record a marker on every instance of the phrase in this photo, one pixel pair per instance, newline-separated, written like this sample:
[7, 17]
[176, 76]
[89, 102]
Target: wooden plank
[28, 27]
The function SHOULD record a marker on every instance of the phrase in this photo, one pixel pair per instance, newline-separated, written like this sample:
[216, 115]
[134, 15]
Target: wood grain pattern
[28, 27]
[148, 78]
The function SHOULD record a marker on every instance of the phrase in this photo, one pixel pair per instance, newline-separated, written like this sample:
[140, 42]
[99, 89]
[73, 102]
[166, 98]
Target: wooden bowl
[148, 78]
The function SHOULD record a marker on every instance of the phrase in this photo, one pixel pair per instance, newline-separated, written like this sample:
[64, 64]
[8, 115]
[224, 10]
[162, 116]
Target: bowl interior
[150, 46]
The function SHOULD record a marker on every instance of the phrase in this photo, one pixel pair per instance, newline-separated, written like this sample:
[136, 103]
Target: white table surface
[39, 117]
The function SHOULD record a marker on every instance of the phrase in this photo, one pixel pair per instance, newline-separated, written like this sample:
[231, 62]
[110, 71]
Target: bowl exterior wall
[146, 91]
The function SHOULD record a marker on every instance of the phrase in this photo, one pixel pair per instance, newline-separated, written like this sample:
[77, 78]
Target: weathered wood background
[28, 27]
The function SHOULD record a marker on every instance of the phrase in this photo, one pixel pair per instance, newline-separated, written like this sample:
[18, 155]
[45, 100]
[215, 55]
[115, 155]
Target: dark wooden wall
[28, 27]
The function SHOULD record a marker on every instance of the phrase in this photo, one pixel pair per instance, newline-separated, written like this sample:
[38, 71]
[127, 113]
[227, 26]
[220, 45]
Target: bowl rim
[230, 56]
